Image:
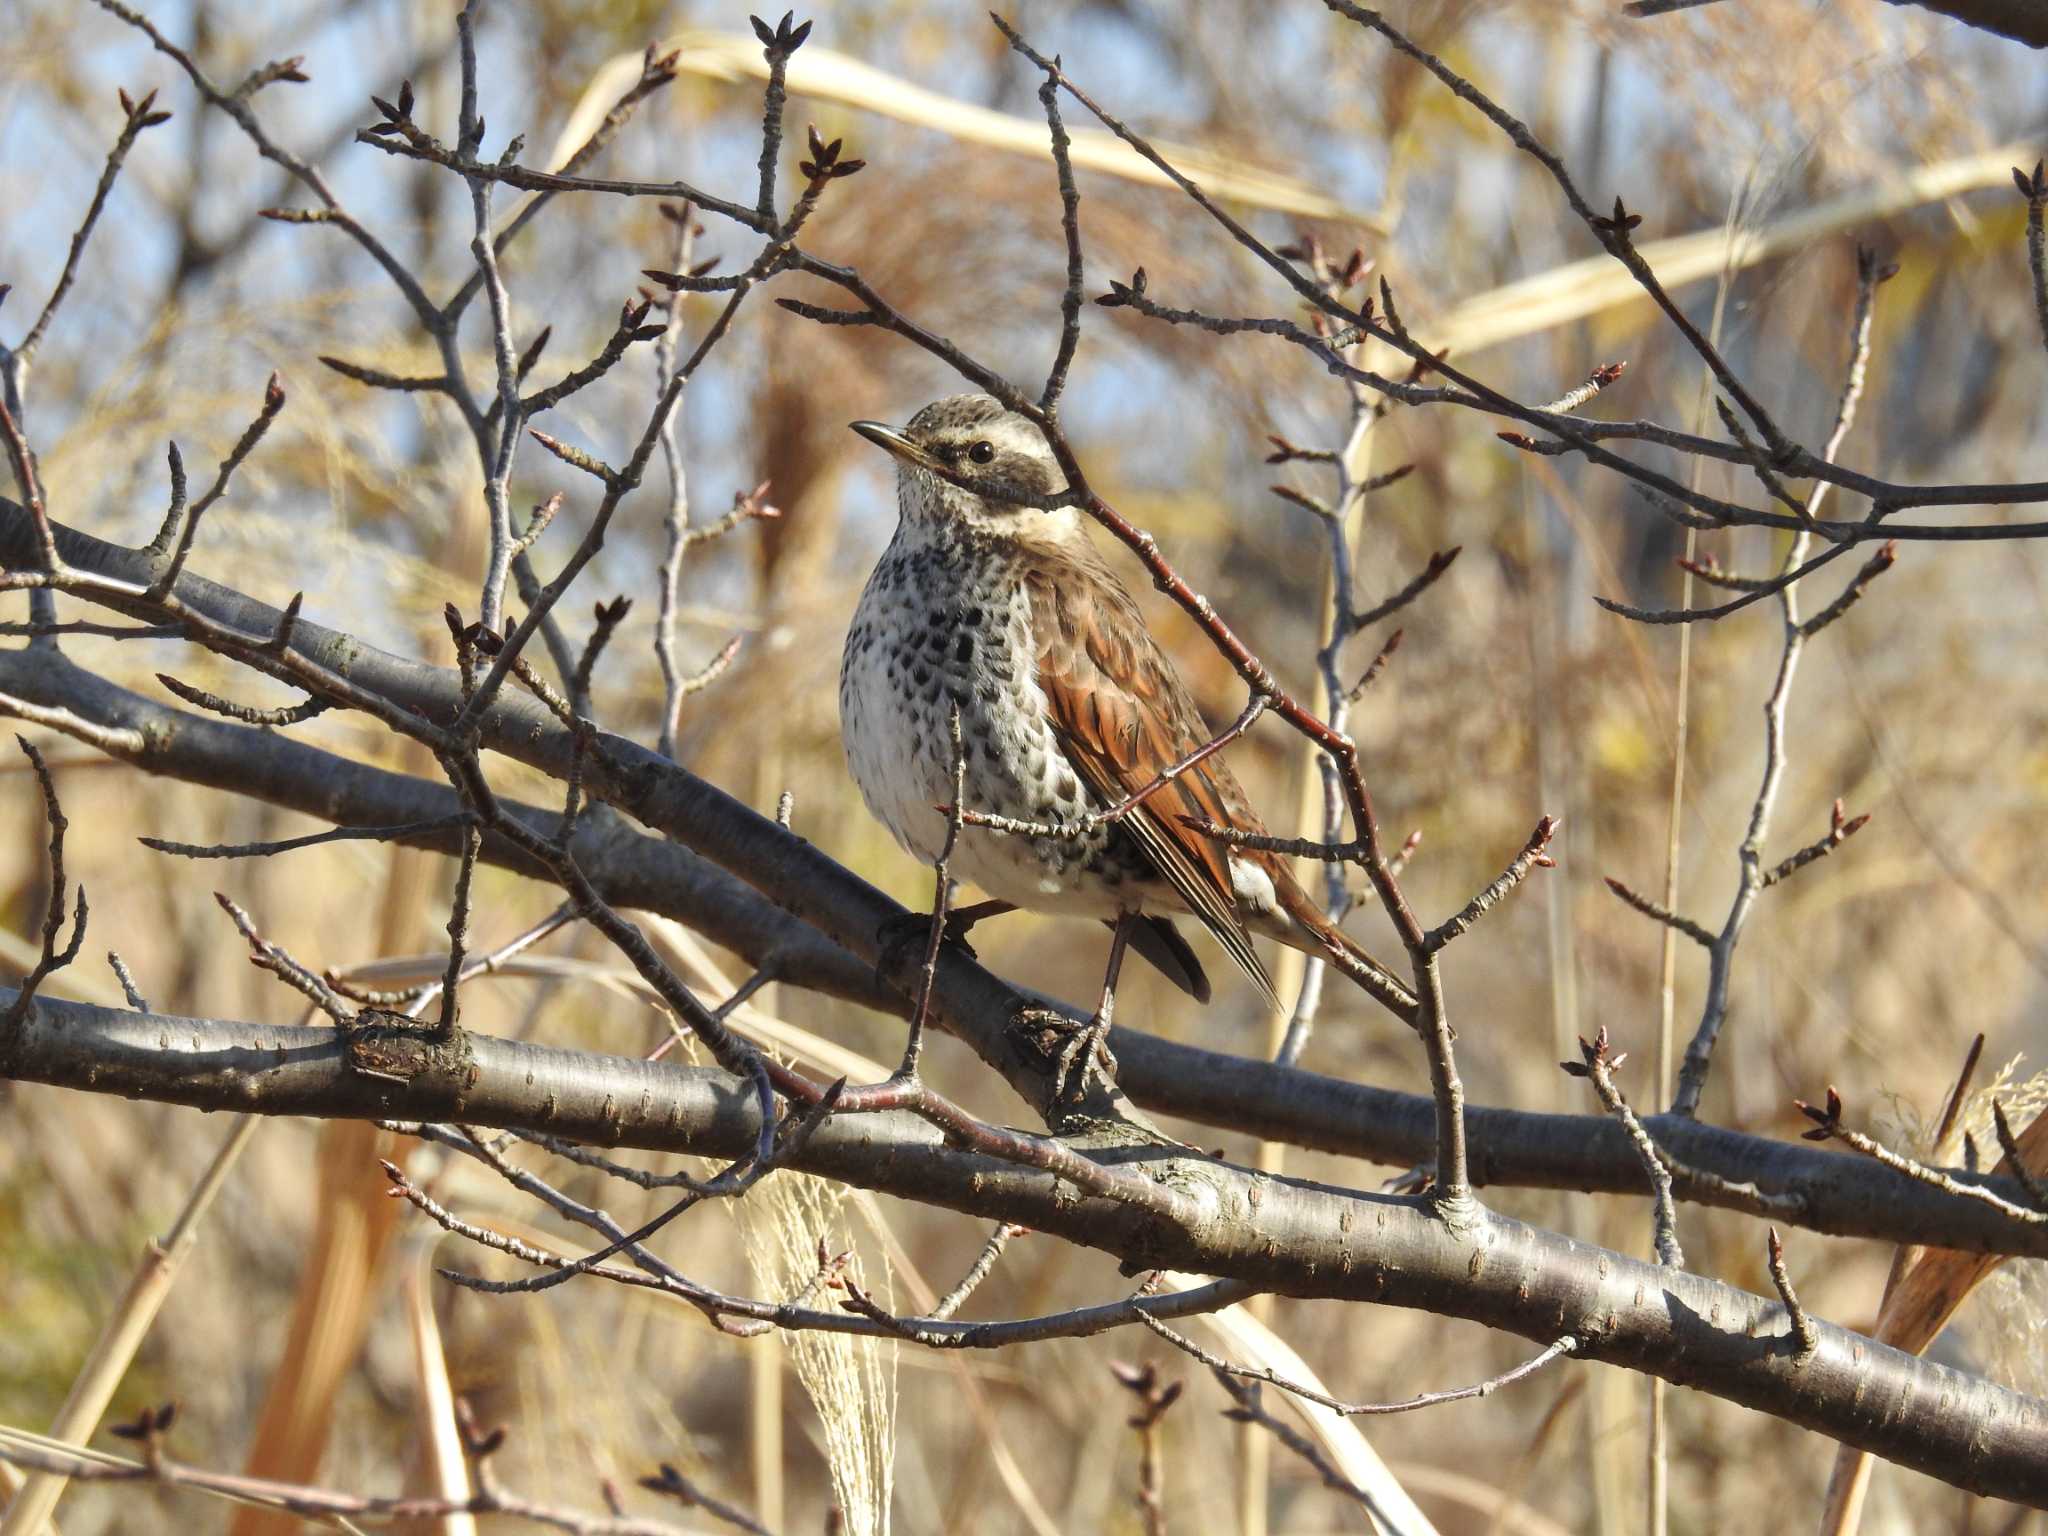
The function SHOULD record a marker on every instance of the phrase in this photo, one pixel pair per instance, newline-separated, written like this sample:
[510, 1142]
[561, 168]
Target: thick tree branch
[1285, 1235]
[795, 886]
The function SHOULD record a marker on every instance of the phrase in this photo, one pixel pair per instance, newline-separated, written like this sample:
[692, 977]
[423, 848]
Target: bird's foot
[1079, 1051]
[907, 933]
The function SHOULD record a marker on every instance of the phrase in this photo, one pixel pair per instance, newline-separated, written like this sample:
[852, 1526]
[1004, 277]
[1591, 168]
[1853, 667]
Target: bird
[991, 598]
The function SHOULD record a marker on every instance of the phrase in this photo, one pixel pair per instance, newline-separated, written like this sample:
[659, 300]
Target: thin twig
[1070, 227]
[672, 1484]
[1657, 912]
[777, 45]
[1840, 830]
[1421, 583]
[392, 833]
[266, 956]
[942, 890]
[128, 988]
[676, 517]
[325, 1505]
[139, 117]
[2015, 1159]
[984, 1264]
[1598, 1066]
[1564, 1345]
[50, 958]
[1828, 1122]
[1250, 1409]
[1886, 556]
[2034, 189]
[1612, 232]
[177, 533]
[1802, 1325]
[289, 714]
[1373, 668]
[1154, 1398]
[1753, 876]
[1532, 857]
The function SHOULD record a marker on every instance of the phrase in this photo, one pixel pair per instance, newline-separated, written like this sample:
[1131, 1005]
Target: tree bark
[1288, 1236]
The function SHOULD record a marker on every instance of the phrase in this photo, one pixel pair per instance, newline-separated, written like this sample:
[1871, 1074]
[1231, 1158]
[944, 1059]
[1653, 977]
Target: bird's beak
[893, 442]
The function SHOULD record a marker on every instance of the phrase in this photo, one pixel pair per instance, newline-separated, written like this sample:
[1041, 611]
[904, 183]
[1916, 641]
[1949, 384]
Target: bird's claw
[1079, 1052]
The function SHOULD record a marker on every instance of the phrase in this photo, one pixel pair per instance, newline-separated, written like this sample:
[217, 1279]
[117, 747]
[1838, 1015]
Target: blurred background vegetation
[287, 1341]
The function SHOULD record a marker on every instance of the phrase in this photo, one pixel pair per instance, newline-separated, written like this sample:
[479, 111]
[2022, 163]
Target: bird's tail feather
[1161, 943]
[1305, 928]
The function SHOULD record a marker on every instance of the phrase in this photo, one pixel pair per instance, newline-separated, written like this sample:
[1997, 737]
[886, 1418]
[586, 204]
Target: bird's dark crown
[956, 411]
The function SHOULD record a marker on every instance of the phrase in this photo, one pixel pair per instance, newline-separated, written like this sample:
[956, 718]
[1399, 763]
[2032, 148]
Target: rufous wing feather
[1123, 717]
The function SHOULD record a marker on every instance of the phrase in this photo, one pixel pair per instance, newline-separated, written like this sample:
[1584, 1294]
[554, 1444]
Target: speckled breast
[944, 624]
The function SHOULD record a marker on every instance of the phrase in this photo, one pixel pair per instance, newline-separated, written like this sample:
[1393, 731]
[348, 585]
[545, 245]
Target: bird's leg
[1088, 1050]
[907, 932]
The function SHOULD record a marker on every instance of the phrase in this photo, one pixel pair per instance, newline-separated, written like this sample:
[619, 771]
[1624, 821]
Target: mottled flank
[1067, 704]
[942, 623]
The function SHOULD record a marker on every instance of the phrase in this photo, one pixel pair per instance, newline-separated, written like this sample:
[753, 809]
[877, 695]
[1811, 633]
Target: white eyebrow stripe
[1013, 433]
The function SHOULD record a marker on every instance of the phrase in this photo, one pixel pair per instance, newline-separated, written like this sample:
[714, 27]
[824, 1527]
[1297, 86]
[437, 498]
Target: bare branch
[1598, 1066]
[1070, 225]
[1612, 232]
[290, 714]
[676, 519]
[984, 1264]
[51, 958]
[128, 988]
[236, 106]
[1154, 1398]
[1753, 877]
[1802, 1325]
[423, 147]
[629, 330]
[1532, 857]
[1598, 380]
[23, 459]
[139, 117]
[1373, 668]
[397, 832]
[1422, 582]
[1657, 913]
[1840, 830]
[2015, 1159]
[177, 533]
[1251, 1410]
[656, 71]
[1752, 592]
[325, 1505]
[1887, 554]
[1828, 1122]
[672, 1484]
[2034, 189]
[1564, 1345]
[378, 378]
[266, 956]
[777, 46]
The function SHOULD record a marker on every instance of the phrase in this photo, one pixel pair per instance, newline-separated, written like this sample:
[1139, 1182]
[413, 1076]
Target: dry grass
[791, 1224]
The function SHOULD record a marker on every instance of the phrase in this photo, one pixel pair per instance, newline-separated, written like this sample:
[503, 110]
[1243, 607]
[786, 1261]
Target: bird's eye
[982, 453]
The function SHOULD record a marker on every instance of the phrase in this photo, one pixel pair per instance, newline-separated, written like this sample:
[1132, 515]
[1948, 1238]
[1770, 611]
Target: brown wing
[1124, 717]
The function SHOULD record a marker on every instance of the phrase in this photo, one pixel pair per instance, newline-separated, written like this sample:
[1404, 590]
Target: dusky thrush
[1068, 706]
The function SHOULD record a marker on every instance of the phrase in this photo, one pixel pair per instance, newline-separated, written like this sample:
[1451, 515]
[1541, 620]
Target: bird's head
[967, 462]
